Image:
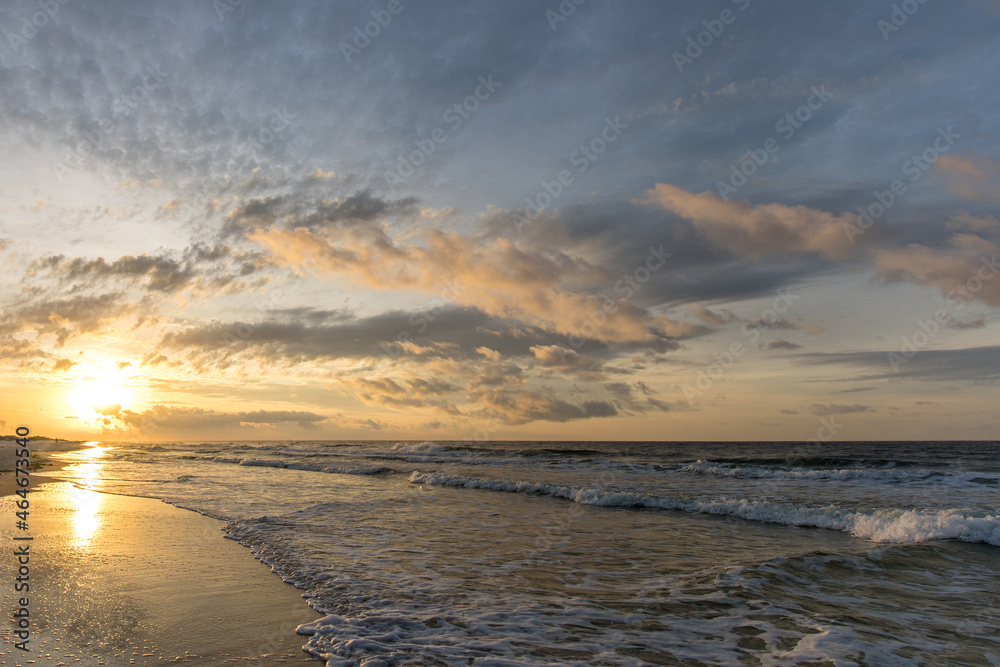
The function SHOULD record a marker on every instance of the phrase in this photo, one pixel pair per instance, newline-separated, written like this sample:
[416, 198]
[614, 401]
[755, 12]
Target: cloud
[65, 318]
[170, 418]
[199, 265]
[200, 159]
[303, 337]
[293, 211]
[497, 277]
[964, 222]
[430, 349]
[23, 350]
[711, 318]
[627, 401]
[973, 364]
[757, 231]
[556, 356]
[967, 269]
[489, 353]
[497, 375]
[528, 406]
[63, 365]
[484, 398]
[821, 409]
[397, 393]
[970, 175]
[357, 423]
[784, 323]
[780, 344]
[972, 322]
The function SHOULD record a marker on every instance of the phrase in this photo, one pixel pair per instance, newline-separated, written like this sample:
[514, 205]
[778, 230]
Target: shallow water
[607, 553]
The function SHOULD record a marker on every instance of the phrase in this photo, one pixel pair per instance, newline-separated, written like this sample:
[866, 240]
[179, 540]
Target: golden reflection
[86, 499]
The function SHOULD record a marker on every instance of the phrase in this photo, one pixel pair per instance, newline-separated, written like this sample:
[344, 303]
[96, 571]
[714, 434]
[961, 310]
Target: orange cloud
[757, 231]
[970, 175]
[965, 271]
[496, 277]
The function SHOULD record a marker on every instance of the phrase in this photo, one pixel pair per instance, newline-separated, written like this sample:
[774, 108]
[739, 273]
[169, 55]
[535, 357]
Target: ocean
[594, 553]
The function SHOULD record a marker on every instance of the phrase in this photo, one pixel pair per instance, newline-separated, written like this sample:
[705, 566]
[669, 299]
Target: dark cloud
[823, 409]
[523, 407]
[974, 364]
[212, 267]
[626, 400]
[162, 274]
[65, 318]
[972, 322]
[171, 418]
[779, 344]
[303, 209]
[302, 335]
[399, 393]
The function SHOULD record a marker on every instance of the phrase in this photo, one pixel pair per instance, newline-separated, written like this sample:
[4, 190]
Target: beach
[614, 554]
[121, 580]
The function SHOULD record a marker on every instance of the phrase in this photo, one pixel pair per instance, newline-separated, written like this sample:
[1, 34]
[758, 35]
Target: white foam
[884, 525]
[421, 448]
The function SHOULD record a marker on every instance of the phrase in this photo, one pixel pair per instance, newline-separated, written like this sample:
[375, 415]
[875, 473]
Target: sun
[100, 391]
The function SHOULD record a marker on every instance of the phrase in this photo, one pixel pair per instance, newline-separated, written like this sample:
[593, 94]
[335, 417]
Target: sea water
[541, 553]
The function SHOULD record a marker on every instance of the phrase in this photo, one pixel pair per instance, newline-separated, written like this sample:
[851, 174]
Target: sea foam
[887, 525]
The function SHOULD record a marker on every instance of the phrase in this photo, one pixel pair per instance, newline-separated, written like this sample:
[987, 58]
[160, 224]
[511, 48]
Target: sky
[575, 220]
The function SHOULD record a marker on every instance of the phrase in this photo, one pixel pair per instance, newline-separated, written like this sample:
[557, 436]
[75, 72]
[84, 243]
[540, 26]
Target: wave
[821, 462]
[882, 526]
[715, 468]
[341, 469]
[428, 452]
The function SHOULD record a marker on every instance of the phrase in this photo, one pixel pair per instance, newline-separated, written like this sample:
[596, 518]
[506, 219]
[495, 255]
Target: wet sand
[118, 580]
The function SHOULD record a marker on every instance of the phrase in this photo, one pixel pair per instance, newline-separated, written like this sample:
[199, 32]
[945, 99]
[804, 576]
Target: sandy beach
[119, 580]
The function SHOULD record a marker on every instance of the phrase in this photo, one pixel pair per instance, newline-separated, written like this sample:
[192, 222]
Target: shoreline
[124, 580]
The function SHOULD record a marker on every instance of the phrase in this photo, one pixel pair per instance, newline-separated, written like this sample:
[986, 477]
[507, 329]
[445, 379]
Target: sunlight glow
[100, 392]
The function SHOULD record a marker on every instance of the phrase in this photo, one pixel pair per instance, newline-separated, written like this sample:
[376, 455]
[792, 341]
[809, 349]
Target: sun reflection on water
[85, 496]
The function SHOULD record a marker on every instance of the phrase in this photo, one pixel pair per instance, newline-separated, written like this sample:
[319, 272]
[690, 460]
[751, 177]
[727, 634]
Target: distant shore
[136, 581]
[38, 447]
